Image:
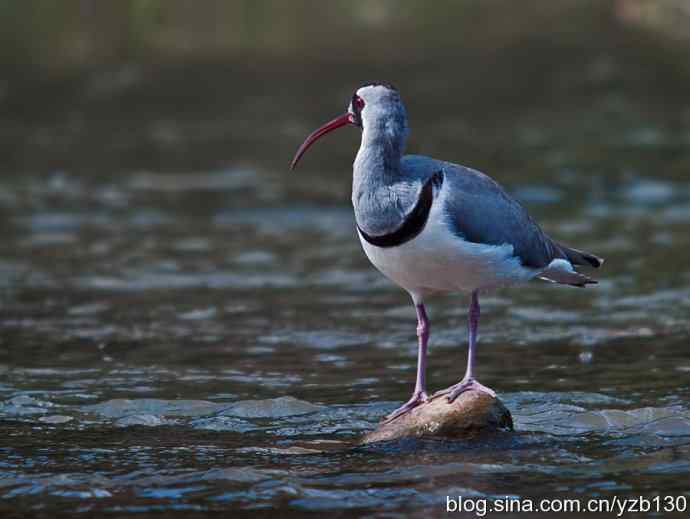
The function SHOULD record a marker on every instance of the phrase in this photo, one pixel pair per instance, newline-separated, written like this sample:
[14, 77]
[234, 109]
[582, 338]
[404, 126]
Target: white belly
[438, 261]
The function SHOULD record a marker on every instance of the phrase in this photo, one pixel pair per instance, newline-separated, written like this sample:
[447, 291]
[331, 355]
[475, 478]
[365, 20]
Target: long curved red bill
[339, 121]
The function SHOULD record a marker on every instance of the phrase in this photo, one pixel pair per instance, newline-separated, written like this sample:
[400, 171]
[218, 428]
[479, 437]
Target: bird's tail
[578, 257]
[562, 271]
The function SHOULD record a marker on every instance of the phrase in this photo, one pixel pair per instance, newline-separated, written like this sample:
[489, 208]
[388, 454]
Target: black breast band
[414, 223]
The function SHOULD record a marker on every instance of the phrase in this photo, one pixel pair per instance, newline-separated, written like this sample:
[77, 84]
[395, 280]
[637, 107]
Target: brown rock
[472, 413]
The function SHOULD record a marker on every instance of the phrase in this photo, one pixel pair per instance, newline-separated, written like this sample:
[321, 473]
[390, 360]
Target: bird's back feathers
[480, 211]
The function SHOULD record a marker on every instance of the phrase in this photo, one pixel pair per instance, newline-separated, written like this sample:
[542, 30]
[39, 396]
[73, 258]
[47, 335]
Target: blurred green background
[101, 87]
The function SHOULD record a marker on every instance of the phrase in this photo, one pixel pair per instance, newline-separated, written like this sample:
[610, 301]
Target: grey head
[377, 109]
[382, 194]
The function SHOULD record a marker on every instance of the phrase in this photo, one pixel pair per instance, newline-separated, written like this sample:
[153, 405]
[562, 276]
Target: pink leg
[468, 382]
[419, 395]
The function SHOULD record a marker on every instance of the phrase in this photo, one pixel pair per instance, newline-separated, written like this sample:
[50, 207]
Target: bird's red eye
[358, 103]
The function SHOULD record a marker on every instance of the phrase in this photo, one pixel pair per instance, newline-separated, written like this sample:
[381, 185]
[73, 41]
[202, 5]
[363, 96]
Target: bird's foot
[418, 398]
[466, 384]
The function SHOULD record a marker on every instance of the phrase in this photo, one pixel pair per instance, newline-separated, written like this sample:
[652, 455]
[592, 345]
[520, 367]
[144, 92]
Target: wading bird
[433, 226]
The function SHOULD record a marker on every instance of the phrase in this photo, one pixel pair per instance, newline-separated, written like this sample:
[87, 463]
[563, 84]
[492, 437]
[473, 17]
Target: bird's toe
[416, 400]
[453, 392]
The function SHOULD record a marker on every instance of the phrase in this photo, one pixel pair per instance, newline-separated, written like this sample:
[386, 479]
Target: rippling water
[159, 357]
[190, 338]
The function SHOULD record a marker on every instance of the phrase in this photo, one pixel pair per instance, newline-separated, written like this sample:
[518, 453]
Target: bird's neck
[378, 159]
[376, 172]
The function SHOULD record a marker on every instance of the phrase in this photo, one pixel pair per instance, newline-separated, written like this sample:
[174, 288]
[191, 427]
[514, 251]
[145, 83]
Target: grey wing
[481, 211]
